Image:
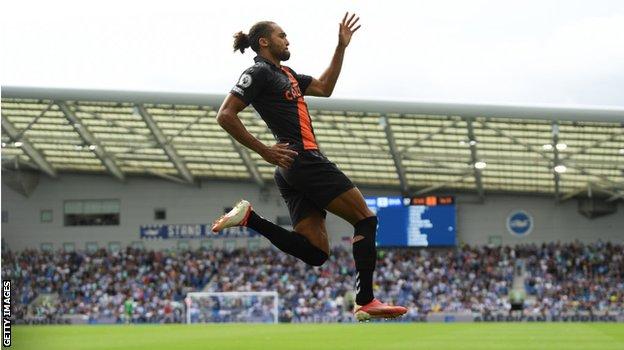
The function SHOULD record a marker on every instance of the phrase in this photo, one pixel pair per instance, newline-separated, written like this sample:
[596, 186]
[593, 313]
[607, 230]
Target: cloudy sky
[520, 52]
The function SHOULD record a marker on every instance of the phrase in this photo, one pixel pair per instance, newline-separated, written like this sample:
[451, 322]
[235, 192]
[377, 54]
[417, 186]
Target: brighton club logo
[519, 223]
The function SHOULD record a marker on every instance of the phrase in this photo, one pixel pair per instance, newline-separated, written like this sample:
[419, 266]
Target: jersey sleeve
[303, 80]
[250, 84]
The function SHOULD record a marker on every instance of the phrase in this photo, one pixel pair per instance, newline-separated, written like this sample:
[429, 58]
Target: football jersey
[277, 95]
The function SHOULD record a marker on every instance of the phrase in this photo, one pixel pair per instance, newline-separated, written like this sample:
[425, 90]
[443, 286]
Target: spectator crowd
[142, 286]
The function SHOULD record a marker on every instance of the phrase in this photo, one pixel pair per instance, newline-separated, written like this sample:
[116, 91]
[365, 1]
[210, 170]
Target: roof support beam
[166, 176]
[435, 187]
[34, 121]
[350, 132]
[396, 156]
[440, 130]
[615, 196]
[555, 142]
[177, 161]
[472, 142]
[27, 147]
[249, 163]
[515, 140]
[108, 161]
[439, 161]
[593, 145]
[571, 194]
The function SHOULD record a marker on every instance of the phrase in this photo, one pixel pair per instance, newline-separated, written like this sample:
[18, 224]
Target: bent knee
[318, 258]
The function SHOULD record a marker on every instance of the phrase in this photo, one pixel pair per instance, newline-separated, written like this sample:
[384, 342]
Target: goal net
[255, 307]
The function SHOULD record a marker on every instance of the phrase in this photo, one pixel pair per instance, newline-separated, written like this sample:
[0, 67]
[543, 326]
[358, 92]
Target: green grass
[568, 336]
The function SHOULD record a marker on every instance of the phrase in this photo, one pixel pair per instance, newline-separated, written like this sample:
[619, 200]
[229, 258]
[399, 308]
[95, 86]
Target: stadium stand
[562, 279]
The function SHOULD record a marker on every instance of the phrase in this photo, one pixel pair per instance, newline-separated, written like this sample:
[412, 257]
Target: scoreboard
[414, 222]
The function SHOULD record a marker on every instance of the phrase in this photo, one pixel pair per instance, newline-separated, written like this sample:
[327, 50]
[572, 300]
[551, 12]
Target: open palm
[347, 29]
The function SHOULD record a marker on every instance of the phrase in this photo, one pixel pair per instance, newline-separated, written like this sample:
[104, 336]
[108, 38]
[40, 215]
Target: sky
[564, 53]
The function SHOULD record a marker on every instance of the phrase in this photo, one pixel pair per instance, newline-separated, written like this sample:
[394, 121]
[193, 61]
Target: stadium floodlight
[18, 144]
[621, 150]
[560, 168]
[480, 165]
[547, 147]
[254, 307]
[561, 146]
[472, 142]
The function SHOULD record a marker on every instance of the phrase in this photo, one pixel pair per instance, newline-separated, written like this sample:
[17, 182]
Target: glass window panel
[110, 206]
[46, 215]
[74, 207]
[91, 247]
[114, 246]
[93, 207]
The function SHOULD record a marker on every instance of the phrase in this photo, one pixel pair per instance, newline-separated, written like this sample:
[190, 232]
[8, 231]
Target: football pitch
[568, 336]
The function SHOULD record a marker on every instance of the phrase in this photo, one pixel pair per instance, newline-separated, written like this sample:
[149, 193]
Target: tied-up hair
[259, 30]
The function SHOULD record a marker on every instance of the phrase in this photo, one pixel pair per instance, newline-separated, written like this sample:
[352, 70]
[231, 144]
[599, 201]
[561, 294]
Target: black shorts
[310, 184]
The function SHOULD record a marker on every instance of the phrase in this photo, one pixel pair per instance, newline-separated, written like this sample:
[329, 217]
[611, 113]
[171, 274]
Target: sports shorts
[310, 184]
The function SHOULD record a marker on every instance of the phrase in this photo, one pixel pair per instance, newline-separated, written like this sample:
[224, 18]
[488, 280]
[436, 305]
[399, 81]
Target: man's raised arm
[324, 86]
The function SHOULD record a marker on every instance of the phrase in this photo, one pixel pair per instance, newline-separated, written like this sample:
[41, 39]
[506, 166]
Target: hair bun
[241, 42]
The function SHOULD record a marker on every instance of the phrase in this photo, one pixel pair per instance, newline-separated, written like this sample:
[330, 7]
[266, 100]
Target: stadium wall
[477, 223]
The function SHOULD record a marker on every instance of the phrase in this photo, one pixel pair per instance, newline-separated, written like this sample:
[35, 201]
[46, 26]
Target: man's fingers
[345, 18]
[284, 156]
[356, 28]
[286, 162]
[354, 22]
[283, 149]
[350, 19]
[288, 152]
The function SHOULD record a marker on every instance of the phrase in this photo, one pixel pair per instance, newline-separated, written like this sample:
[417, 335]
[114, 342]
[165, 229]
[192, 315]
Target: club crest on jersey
[244, 81]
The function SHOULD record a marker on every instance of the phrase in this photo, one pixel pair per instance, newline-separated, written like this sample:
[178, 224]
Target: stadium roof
[412, 146]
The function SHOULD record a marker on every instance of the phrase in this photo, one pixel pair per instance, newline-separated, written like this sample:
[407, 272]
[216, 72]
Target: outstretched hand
[346, 29]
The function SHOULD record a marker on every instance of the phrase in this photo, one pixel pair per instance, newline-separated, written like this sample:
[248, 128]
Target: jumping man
[309, 183]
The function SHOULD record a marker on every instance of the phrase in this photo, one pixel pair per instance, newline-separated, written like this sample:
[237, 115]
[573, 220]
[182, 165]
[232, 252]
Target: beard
[284, 55]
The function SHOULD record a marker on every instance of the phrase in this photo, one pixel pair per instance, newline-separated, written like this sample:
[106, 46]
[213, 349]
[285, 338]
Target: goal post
[253, 307]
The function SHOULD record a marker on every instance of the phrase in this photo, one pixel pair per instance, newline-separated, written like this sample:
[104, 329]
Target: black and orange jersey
[277, 94]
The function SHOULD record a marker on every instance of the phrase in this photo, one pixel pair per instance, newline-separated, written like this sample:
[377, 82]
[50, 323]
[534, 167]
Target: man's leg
[351, 206]
[307, 242]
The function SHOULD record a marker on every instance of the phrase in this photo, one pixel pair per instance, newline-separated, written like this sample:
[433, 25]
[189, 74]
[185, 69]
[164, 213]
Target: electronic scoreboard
[414, 222]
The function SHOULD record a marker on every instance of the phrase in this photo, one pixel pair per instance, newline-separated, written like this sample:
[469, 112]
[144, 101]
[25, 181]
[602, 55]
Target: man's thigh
[350, 206]
[299, 205]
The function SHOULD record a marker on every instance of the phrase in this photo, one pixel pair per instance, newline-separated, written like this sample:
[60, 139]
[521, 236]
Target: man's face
[278, 44]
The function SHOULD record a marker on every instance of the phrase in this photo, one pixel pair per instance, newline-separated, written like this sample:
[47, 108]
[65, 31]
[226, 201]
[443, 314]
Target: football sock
[289, 242]
[365, 256]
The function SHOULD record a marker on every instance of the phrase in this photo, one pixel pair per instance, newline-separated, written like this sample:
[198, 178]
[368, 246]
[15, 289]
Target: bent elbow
[222, 118]
[327, 93]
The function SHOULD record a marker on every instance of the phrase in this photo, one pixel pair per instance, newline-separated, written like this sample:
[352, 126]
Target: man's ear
[263, 42]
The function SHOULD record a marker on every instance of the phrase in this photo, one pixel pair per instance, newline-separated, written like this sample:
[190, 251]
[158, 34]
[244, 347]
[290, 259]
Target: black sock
[364, 287]
[289, 242]
[365, 256]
